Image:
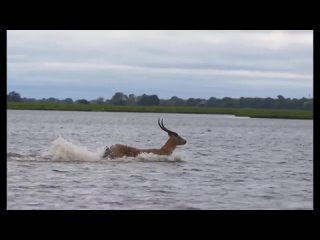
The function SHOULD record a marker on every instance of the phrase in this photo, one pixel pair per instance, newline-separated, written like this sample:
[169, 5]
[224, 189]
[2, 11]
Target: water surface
[227, 163]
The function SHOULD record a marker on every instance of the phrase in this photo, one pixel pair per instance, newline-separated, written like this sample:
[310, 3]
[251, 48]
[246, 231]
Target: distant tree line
[120, 98]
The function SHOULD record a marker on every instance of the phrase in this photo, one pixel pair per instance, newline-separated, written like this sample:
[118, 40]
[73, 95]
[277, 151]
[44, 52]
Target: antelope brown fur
[119, 150]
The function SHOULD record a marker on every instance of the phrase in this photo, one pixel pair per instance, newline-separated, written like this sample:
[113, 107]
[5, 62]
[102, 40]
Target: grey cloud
[125, 57]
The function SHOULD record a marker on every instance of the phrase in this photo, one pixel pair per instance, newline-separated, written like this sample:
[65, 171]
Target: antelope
[120, 150]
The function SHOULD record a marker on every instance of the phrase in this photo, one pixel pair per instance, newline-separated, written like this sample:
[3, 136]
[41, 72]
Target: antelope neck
[169, 146]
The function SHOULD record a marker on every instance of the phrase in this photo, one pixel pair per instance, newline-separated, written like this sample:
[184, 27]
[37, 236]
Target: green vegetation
[251, 107]
[249, 112]
[121, 99]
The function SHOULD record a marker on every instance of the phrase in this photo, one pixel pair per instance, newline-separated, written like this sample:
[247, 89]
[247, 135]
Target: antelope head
[173, 136]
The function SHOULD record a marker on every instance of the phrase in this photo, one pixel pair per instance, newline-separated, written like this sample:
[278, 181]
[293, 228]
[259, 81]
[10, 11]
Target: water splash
[64, 150]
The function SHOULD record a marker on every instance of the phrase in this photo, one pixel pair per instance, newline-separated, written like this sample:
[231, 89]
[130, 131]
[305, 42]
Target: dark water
[227, 163]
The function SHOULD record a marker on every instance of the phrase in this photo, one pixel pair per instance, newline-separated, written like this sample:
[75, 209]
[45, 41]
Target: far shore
[241, 112]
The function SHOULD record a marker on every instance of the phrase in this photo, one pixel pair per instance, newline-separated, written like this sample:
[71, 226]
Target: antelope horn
[164, 128]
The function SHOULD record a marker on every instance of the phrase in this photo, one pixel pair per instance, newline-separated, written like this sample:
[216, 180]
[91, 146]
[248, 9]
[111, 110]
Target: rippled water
[227, 163]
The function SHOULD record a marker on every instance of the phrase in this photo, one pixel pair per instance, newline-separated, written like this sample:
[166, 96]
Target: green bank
[244, 112]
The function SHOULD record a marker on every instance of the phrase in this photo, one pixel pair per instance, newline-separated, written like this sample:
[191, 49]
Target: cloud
[147, 59]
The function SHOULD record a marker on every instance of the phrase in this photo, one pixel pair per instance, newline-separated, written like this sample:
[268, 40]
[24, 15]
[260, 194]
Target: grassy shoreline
[241, 112]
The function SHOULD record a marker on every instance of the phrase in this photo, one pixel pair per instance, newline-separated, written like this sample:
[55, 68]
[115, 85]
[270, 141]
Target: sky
[198, 64]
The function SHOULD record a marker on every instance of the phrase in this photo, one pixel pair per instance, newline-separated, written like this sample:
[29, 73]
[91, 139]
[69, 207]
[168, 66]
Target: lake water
[53, 162]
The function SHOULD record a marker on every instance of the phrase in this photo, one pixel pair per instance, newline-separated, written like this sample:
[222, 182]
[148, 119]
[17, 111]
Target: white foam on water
[150, 157]
[154, 157]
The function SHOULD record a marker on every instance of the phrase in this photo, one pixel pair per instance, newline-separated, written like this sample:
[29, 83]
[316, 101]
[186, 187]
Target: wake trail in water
[31, 157]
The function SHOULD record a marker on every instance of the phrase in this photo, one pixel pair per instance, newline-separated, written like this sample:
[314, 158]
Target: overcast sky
[199, 64]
